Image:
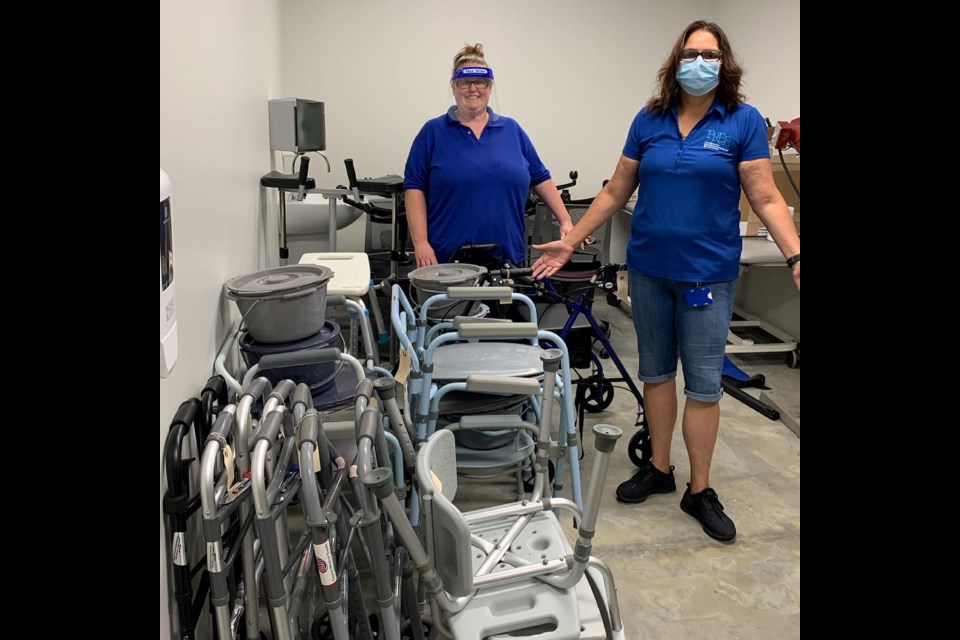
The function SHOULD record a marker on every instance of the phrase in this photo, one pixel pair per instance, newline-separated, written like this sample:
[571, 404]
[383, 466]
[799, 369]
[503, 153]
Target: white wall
[573, 73]
[218, 67]
[766, 34]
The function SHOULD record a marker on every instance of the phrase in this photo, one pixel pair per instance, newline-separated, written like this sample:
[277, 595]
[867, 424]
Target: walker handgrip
[293, 358]
[302, 395]
[176, 481]
[369, 425]
[269, 429]
[310, 427]
[186, 414]
[502, 384]
[217, 386]
[364, 389]
[351, 173]
[257, 387]
[503, 331]
[221, 428]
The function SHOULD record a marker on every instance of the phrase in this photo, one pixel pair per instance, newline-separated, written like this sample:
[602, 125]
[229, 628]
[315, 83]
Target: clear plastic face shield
[464, 77]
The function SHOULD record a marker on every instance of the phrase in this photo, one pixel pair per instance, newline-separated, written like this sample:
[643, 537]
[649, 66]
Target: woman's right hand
[425, 255]
[555, 255]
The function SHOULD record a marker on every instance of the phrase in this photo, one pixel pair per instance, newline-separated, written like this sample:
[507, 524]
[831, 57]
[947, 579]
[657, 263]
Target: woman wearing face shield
[690, 150]
[469, 171]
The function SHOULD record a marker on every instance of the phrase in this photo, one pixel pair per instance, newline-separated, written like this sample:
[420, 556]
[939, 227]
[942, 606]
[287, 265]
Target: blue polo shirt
[686, 224]
[476, 190]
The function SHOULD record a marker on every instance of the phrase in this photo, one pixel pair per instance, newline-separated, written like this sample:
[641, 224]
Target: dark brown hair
[731, 73]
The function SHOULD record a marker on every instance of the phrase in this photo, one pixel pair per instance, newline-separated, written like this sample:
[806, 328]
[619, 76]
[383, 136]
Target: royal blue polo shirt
[476, 190]
[686, 224]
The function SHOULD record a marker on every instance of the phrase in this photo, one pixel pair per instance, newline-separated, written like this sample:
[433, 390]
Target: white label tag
[214, 559]
[622, 286]
[328, 574]
[178, 549]
[228, 464]
[403, 371]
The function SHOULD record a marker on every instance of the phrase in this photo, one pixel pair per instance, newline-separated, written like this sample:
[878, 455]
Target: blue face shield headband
[464, 75]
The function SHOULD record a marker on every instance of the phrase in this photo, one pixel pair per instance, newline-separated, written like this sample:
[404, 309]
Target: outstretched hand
[555, 255]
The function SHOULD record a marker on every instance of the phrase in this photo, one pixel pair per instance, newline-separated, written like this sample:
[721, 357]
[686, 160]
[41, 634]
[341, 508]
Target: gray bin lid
[446, 275]
[279, 281]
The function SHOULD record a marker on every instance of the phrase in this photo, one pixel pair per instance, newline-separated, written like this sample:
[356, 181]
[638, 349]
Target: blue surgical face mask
[698, 77]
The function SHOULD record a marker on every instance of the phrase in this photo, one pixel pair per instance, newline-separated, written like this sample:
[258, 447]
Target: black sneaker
[706, 508]
[645, 482]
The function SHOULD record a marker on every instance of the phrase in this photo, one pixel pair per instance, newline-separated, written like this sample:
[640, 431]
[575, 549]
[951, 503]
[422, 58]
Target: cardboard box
[783, 184]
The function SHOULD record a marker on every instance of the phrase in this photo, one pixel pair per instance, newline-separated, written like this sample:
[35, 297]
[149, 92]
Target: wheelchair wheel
[595, 400]
[640, 449]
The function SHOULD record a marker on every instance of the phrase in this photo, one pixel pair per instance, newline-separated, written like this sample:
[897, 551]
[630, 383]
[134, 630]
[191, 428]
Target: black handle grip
[217, 387]
[366, 207]
[516, 273]
[351, 173]
[304, 170]
[185, 416]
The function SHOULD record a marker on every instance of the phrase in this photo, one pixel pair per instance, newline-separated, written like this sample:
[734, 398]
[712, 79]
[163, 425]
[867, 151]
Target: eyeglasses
[709, 55]
[463, 83]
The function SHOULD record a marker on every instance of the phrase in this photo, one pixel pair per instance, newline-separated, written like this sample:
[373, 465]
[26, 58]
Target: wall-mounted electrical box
[297, 125]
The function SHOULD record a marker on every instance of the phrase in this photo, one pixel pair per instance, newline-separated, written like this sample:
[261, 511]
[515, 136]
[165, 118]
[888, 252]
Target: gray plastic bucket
[434, 279]
[283, 304]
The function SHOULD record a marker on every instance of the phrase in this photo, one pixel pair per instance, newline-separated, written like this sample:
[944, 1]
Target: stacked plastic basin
[284, 310]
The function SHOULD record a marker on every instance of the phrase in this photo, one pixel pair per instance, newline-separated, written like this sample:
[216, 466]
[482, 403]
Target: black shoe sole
[644, 498]
[713, 535]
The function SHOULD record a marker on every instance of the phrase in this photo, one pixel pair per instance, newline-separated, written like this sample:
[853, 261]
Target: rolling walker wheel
[640, 449]
[613, 300]
[594, 401]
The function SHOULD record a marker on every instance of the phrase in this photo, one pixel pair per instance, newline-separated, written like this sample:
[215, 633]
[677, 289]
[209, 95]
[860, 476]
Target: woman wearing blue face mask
[690, 150]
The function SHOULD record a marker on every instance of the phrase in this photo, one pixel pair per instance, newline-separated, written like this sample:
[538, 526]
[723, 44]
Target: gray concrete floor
[674, 581]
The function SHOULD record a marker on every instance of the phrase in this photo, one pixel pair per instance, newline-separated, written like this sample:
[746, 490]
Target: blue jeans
[667, 328]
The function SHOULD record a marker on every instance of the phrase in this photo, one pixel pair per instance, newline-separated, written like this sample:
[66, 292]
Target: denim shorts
[667, 328]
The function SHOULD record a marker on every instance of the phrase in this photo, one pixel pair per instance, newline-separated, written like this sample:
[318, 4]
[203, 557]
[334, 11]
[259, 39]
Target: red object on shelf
[789, 135]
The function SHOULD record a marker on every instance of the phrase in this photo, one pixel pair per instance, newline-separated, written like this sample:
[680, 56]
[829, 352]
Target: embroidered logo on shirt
[717, 141]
